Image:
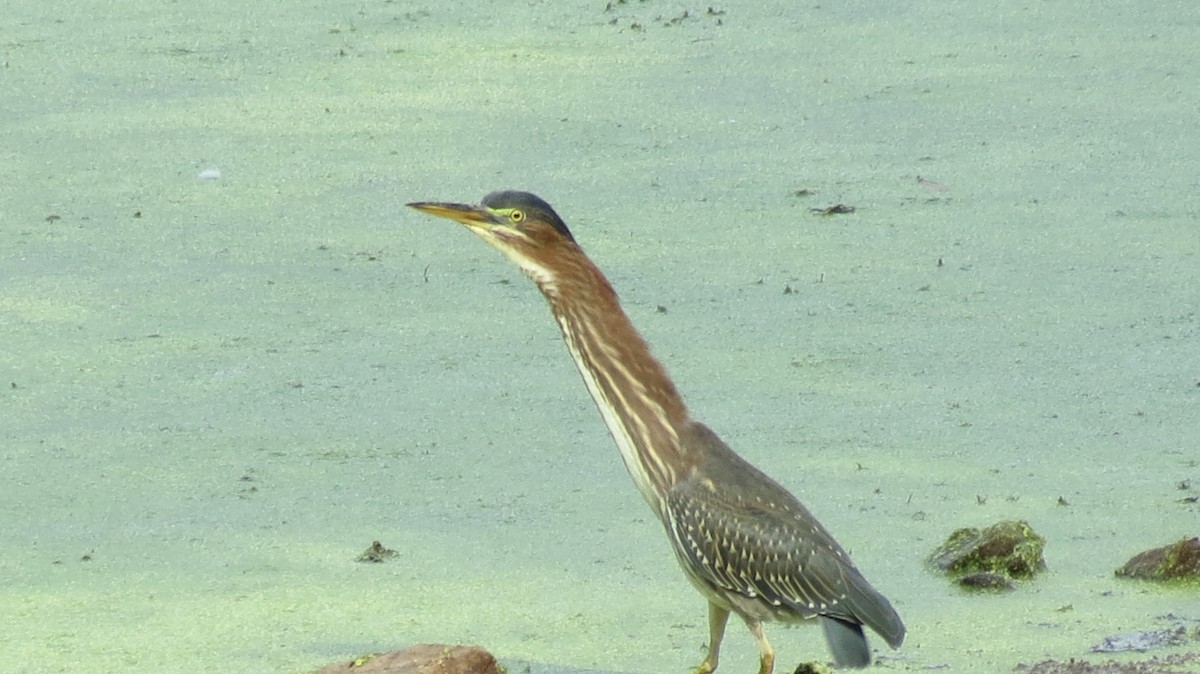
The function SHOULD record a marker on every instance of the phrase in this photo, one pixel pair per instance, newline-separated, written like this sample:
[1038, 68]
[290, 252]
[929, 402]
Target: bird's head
[519, 224]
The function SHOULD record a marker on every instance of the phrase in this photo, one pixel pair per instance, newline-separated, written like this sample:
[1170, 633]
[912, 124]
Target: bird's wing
[739, 530]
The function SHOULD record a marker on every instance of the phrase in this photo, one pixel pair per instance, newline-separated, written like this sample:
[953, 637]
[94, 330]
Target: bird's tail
[846, 642]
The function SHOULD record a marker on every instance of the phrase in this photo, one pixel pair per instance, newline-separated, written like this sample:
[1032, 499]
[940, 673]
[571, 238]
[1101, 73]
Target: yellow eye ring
[516, 216]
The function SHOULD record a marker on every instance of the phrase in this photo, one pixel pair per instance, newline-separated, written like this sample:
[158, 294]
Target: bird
[743, 540]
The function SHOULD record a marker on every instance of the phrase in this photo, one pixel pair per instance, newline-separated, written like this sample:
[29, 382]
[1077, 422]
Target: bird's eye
[516, 216]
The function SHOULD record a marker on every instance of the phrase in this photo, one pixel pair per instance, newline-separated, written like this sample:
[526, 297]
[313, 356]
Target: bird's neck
[635, 396]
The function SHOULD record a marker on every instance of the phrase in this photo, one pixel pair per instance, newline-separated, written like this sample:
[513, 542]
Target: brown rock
[1177, 561]
[421, 659]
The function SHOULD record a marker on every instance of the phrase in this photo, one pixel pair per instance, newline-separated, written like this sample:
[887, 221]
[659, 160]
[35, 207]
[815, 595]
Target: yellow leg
[766, 654]
[717, 617]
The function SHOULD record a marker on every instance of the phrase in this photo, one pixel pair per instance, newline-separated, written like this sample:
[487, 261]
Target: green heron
[742, 539]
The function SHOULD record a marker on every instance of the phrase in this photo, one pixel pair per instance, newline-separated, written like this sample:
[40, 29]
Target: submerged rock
[986, 580]
[1170, 664]
[422, 659]
[1178, 561]
[1009, 549]
[1140, 642]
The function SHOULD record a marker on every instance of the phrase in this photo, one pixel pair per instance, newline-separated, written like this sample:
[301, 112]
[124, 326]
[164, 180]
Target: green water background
[221, 391]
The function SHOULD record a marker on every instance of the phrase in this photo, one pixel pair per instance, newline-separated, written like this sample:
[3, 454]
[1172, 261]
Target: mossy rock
[1010, 548]
[1178, 561]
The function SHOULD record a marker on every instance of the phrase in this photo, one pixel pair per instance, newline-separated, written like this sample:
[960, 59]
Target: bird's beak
[475, 217]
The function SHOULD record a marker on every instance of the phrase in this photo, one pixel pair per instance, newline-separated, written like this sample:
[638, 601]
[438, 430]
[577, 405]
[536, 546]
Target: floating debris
[376, 554]
[836, 209]
[931, 185]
